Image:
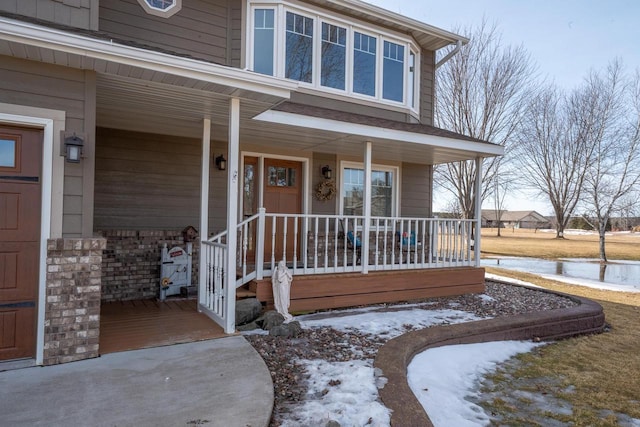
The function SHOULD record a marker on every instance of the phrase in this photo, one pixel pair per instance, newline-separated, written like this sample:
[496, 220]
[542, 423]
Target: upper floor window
[393, 71]
[299, 48]
[263, 40]
[364, 64]
[333, 54]
[164, 8]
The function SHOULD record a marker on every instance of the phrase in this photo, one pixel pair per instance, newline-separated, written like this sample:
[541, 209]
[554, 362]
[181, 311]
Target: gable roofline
[427, 36]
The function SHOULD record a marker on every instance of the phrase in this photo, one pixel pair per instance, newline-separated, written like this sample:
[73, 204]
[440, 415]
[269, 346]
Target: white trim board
[366, 131]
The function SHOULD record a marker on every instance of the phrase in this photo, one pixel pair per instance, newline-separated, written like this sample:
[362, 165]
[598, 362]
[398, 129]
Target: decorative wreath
[165, 282]
[325, 190]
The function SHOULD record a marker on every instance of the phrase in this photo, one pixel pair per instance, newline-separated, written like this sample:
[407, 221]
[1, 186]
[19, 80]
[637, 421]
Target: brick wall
[72, 315]
[131, 262]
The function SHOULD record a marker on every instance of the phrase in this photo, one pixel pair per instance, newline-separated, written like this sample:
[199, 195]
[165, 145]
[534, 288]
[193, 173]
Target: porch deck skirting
[347, 290]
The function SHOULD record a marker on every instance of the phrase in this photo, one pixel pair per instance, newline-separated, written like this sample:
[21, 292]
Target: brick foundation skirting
[72, 313]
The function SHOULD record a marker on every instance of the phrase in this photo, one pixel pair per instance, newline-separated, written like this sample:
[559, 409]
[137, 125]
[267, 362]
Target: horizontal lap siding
[235, 33]
[320, 207]
[427, 82]
[199, 29]
[415, 200]
[48, 86]
[147, 181]
[75, 13]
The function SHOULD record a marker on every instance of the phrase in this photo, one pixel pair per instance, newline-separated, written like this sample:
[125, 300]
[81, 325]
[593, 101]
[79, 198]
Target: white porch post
[204, 207]
[478, 209]
[232, 215]
[260, 244]
[366, 208]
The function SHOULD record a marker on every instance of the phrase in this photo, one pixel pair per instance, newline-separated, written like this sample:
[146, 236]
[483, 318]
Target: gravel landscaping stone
[283, 355]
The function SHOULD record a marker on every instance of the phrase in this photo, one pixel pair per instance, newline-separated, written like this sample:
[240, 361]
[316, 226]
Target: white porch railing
[325, 244]
[213, 292]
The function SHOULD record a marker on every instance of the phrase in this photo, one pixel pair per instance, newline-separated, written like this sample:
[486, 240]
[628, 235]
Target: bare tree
[453, 208]
[628, 210]
[556, 145]
[614, 171]
[502, 184]
[480, 93]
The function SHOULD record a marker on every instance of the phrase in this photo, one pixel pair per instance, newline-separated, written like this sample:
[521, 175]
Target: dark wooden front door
[20, 201]
[282, 194]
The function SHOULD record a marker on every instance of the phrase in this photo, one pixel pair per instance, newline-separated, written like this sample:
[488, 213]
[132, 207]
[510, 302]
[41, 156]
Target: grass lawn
[598, 375]
[543, 244]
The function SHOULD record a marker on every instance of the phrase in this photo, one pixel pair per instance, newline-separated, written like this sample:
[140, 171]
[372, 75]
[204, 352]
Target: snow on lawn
[389, 323]
[345, 392]
[442, 378]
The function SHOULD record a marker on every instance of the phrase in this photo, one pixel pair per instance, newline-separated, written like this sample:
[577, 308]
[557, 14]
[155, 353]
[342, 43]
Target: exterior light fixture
[73, 148]
[326, 172]
[221, 163]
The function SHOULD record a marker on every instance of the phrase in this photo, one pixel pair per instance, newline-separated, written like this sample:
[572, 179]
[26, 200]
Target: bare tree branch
[480, 93]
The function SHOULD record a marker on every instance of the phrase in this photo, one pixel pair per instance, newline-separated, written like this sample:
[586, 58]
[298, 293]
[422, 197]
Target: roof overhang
[346, 138]
[427, 36]
[50, 45]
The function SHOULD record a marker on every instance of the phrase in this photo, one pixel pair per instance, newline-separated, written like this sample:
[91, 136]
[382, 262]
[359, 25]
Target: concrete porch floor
[221, 382]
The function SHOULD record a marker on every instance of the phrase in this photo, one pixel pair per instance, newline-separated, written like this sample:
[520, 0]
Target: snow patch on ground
[389, 324]
[442, 378]
[345, 392]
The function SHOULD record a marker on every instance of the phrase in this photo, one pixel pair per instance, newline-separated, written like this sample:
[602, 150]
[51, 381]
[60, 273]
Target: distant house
[514, 219]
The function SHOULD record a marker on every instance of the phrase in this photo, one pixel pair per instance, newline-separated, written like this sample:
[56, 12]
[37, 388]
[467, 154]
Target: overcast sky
[566, 38]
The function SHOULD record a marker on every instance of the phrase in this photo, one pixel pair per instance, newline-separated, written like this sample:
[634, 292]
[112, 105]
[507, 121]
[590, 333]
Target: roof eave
[481, 149]
[83, 46]
[437, 37]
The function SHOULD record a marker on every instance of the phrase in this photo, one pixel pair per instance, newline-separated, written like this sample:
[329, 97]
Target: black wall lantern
[326, 172]
[221, 163]
[73, 148]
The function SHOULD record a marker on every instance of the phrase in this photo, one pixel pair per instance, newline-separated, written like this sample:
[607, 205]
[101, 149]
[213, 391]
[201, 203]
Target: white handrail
[324, 244]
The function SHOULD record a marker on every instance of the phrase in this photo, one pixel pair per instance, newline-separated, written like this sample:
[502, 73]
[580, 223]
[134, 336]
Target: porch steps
[353, 289]
[244, 292]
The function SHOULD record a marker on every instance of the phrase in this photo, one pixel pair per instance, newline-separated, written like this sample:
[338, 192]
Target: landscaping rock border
[396, 354]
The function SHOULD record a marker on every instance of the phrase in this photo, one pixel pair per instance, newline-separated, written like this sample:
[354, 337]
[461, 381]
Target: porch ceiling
[143, 106]
[153, 107]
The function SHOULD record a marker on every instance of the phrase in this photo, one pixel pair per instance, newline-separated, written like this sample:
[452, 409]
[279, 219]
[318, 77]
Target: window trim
[163, 13]
[319, 17]
[395, 187]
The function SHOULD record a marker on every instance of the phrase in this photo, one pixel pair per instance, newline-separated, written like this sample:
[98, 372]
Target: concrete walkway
[221, 382]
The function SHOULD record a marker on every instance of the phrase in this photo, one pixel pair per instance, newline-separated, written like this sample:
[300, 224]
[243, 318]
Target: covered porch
[313, 237]
[149, 125]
